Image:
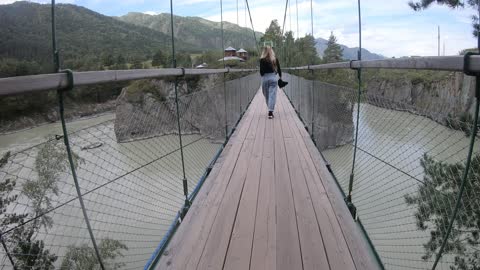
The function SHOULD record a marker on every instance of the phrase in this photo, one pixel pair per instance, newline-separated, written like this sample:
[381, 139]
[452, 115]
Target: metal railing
[414, 184]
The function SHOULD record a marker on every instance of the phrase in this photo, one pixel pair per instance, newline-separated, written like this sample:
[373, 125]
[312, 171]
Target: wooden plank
[239, 250]
[357, 245]
[338, 254]
[264, 241]
[280, 114]
[196, 225]
[313, 250]
[212, 254]
[288, 254]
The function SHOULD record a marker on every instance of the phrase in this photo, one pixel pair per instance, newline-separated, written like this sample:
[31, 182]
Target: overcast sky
[390, 27]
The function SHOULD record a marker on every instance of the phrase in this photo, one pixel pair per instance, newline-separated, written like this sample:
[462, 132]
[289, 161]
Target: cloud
[390, 28]
[150, 12]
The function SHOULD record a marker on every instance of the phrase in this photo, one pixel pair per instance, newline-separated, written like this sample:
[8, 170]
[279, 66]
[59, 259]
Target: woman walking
[269, 67]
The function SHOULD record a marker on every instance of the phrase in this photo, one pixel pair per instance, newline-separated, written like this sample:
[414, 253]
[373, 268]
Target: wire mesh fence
[130, 175]
[411, 155]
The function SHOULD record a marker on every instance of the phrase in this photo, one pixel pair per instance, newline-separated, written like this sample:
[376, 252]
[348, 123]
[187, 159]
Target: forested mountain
[348, 53]
[84, 36]
[204, 34]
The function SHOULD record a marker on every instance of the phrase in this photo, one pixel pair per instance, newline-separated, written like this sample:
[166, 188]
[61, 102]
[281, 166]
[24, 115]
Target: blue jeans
[269, 89]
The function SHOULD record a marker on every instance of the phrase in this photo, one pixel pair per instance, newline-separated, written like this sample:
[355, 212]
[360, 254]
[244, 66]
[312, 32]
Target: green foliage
[333, 53]
[463, 122]
[84, 257]
[196, 34]
[83, 35]
[159, 59]
[31, 254]
[134, 92]
[137, 64]
[273, 33]
[51, 163]
[417, 6]
[6, 198]
[299, 52]
[108, 60]
[434, 203]
[13, 67]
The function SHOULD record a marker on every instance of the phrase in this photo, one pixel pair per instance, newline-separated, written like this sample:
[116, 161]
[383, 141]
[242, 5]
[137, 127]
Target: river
[390, 146]
[134, 189]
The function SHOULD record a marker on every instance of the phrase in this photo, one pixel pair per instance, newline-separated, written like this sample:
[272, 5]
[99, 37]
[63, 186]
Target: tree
[120, 60]
[289, 48]
[136, 64]
[158, 59]
[434, 202]
[333, 53]
[108, 60]
[417, 6]
[51, 163]
[273, 33]
[84, 257]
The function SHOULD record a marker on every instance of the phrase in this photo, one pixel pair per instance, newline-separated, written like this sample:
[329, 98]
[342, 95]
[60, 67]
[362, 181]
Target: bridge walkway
[269, 203]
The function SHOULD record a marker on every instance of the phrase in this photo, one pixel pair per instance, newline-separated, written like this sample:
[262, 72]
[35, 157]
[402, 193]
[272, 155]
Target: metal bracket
[70, 81]
[466, 64]
[351, 66]
[351, 207]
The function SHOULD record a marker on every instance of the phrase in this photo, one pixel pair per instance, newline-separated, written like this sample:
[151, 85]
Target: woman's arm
[278, 69]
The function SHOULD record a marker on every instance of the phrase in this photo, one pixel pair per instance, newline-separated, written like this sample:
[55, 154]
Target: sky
[390, 28]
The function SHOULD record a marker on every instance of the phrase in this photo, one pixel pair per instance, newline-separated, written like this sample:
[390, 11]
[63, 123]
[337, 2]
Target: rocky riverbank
[72, 112]
[449, 98]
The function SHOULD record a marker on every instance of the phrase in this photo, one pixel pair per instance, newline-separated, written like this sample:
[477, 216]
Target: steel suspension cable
[224, 79]
[253, 29]
[283, 28]
[296, 4]
[60, 94]
[359, 93]
[174, 64]
[313, 73]
[469, 155]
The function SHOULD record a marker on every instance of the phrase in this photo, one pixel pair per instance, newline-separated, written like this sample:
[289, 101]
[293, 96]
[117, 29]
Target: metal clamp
[351, 66]
[70, 81]
[466, 64]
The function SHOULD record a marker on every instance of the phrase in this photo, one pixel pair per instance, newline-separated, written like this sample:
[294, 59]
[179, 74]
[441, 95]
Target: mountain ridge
[203, 33]
[348, 53]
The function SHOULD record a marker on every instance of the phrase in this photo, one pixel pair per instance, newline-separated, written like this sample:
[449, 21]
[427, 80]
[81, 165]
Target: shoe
[270, 115]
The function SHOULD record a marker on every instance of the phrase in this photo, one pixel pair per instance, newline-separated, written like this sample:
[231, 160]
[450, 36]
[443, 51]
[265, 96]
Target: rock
[148, 114]
[449, 97]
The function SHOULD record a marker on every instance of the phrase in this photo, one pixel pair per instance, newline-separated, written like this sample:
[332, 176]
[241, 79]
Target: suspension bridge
[203, 180]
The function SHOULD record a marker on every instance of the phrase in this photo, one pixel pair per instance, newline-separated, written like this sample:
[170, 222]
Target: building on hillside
[230, 52]
[242, 54]
[204, 65]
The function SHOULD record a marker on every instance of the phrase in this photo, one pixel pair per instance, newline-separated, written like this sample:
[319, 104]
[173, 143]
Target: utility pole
[438, 40]
[444, 48]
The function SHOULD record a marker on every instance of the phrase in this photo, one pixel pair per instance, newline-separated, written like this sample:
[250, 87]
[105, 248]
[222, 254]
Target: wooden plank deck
[269, 203]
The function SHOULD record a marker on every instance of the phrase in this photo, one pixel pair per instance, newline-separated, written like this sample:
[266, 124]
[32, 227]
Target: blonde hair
[269, 55]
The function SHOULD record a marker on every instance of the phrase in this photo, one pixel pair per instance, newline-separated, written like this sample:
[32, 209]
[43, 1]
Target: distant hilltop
[348, 53]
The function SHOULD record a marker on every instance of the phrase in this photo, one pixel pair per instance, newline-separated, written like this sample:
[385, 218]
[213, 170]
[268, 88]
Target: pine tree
[333, 53]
